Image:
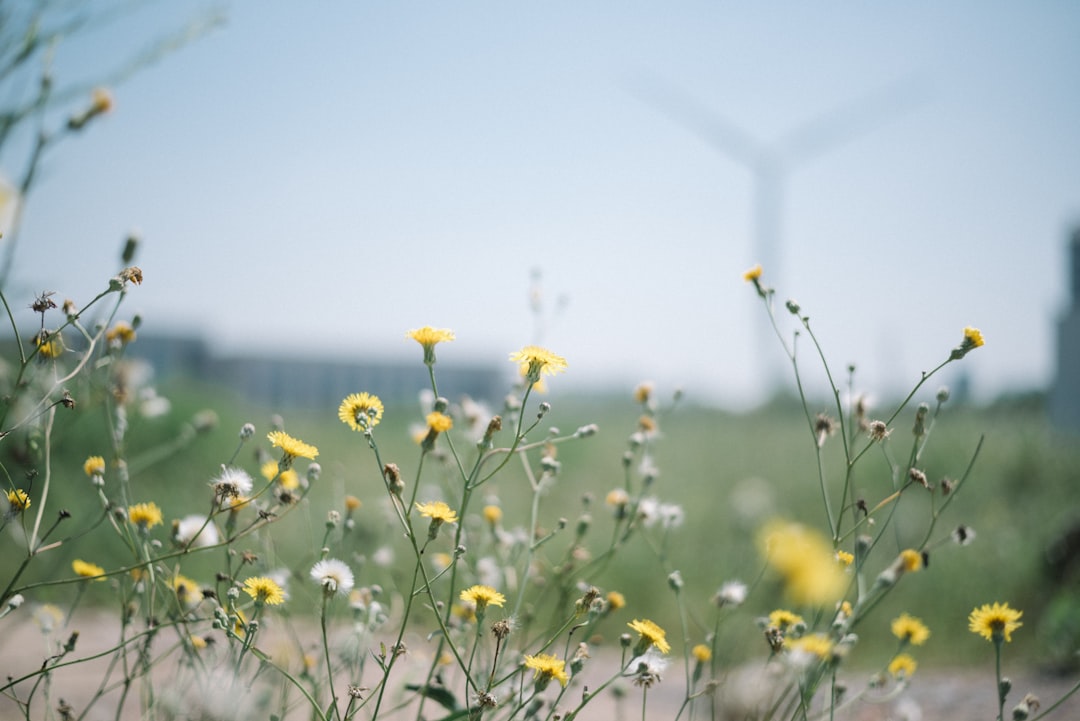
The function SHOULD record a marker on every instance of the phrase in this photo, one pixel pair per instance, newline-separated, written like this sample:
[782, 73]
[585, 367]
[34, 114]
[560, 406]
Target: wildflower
[844, 558]
[805, 561]
[824, 426]
[195, 531]
[805, 648]
[973, 339]
[615, 600]
[49, 346]
[732, 593]
[94, 466]
[351, 503]
[197, 642]
[963, 535]
[702, 653]
[120, 334]
[643, 392]
[18, 500]
[289, 479]
[536, 361]
[333, 575]
[910, 630]
[784, 620]
[291, 448]
[85, 569]
[1027, 706]
[145, 515]
[232, 483]
[439, 422]
[902, 666]
[649, 634]
[547, 667]
[647, 668]
[264, 590]
[482, 597]
[438, 512]
[753, 274]
[911, 560]
[187, 591]
[361, 411]
[618, 498]
[995, 622]
[492, 514]
[879, 431]
[429, 337]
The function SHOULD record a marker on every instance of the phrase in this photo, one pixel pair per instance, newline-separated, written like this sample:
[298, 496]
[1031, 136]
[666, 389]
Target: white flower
[232, 483]
[671, 515]
[648, 667]
[732, 593]
[333, 575]
[195, 531]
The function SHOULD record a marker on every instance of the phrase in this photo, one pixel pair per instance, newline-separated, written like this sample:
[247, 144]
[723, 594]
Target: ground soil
[948, 694]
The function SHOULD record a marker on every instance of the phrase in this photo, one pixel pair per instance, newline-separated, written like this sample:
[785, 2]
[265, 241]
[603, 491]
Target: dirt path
[946, 694]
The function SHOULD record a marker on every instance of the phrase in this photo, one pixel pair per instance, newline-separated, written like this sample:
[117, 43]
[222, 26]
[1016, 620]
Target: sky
[318, 178]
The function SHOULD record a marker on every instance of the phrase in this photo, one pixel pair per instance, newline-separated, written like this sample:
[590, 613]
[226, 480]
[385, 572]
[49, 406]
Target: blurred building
[1064, 400]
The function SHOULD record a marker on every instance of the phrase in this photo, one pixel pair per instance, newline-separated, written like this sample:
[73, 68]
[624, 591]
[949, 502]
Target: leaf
[439, 695]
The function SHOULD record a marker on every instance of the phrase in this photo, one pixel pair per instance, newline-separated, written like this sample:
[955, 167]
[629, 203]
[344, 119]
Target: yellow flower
[902, 666]
[816, 644]
[911, 560]
[702, 653]
[264, 590]
[615, 600]
[269, 470]
[805, 561]
[121, 333]
[18, 500]
[437, 511]
[291, 447]
[973, 337]
[145, 515]
[197, 642]
[289, 479]
[643, 392]
[752, 274]
[187, 591]
[650, 635]
[784, 620]
[547, 667]
[439, 422]
[910, 630]
[995, 622]
[49, 347]
[845, 558]
[482, 597]
[536, 361]
[429, 337]
[352, 503]
[492, 514]
[94, 466]
[85, 569]
[360, 411]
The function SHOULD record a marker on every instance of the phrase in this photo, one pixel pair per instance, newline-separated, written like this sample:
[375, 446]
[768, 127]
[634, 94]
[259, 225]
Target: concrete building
[1064, 399]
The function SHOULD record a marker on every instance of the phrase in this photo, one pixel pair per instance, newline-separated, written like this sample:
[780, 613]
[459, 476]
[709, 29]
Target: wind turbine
[771, 162]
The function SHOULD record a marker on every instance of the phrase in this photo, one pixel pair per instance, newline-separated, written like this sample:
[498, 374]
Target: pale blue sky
[319, 177]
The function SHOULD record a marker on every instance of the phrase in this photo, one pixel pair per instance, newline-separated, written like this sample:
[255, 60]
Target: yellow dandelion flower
[650, 635]
[145, 515]
[269, 470]
[547, 667]
[264, 590]
[752, 274]
[492, 514]
[187, 591]
[702, 653]
[902, 666]
[995, 622]
[615, 600]
[429, 337]
[816, 644]
[122, 333]
[361, 411]
[49, 347]
[910, 630]
[197, 642]
[784, 620]
[85, 569]
[18, 500]
[437, 511]
[291, 447]
[844, 558]
[288, 479]
[973, 337]
[806, 562]
[439, 422]
[352, 503]
[911, 560]
[482, 597]
[535, 361]
[94, 466]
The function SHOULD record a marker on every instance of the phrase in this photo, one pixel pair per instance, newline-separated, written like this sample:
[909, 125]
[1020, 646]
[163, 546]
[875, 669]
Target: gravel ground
[947, 694]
